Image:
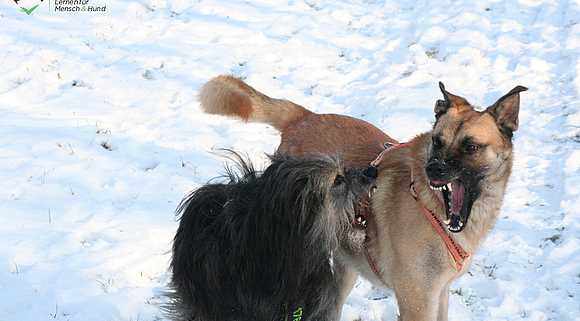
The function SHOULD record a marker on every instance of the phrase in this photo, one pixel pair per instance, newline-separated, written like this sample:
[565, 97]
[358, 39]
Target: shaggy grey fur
[260, 246]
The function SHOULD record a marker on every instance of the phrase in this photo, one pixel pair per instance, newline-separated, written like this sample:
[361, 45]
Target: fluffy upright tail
[230, 96]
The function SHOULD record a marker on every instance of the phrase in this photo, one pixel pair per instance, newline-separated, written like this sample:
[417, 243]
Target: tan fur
[411, 257]
[229, 96]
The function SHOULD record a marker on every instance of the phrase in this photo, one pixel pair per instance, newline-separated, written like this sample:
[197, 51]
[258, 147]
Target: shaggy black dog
[260, 247]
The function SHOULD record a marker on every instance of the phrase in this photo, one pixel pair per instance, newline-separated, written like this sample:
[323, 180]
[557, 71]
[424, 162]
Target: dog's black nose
[371, 172]
[436, 169]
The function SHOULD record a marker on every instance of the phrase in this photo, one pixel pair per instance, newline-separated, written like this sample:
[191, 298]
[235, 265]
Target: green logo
[28, 6]
[296, 315]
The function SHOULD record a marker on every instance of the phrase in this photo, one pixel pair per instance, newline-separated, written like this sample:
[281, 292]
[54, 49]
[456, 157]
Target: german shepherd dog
[419, 239]
[260, 246]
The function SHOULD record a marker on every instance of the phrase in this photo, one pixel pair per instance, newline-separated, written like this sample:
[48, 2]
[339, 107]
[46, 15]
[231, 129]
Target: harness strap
[373, 265]
[458, 254]
[375, 164]
[388, 147]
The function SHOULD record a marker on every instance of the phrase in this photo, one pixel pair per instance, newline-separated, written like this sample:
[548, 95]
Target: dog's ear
[450, 101]
[505, 110]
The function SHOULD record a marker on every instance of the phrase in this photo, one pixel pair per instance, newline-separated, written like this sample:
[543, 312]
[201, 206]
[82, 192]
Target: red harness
[457, 253]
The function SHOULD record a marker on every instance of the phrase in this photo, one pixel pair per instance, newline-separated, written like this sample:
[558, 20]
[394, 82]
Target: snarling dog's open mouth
[363, 209]
[362, 205]
[458, 198]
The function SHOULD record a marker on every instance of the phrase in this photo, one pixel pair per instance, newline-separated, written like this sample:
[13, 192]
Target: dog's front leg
[443, 304]
[346, 278]
[417, 301]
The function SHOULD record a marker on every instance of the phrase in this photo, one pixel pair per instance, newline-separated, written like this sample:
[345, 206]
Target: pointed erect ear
[506, 109]
[450, 101]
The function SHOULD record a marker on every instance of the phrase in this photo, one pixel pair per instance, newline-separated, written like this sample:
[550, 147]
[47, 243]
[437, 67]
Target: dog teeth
[454, 228]
[360, 221]
[449, 187]
[447, 221]
[436, 188]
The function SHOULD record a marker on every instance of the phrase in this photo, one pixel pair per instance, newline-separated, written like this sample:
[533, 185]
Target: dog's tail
[230, 96]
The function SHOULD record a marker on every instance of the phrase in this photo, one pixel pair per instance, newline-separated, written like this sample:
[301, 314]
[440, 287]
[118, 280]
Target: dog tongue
[457, 197]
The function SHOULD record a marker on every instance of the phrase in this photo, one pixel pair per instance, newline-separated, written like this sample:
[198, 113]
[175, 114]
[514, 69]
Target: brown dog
[438, 195]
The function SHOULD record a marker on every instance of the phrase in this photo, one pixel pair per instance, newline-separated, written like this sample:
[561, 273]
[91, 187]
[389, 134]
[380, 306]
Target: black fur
[260, 247]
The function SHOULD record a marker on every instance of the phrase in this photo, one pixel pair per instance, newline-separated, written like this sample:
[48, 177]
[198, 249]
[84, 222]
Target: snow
[101, 135]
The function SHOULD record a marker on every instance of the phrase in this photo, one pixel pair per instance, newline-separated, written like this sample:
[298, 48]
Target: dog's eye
[471, 148]
[437, 143]
[339, 180]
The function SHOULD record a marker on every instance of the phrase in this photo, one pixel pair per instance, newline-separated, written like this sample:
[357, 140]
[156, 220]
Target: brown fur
[226, 95]
[411, 257]
[303, 132]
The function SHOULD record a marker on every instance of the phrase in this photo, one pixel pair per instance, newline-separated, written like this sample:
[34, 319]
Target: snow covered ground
[101, 135]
